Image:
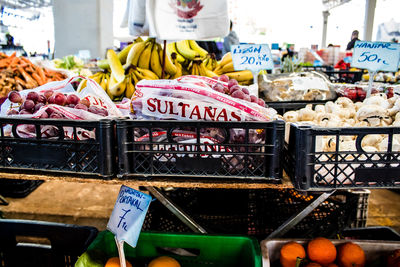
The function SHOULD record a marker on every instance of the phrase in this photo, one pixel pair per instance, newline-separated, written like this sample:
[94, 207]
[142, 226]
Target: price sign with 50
[375, 56]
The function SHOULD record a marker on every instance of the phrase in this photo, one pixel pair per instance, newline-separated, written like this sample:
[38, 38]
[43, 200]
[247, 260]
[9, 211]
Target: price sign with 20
[252, 57]
[375, 56]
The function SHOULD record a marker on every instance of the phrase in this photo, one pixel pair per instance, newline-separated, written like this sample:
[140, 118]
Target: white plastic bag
[92, 92]
[187, 19]
[192, 98]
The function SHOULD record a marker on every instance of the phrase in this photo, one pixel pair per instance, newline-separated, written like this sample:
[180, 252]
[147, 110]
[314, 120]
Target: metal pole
[176, 210]
[369, 19]
[295, 219]
[325, 15]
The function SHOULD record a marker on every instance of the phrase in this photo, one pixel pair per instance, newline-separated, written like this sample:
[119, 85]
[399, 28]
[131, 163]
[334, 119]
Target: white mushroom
[319, 109]
[383, 145]
[371, 140]
[291, 116]
[373, 114]
[377, 99]
[307, 114]
[344, 102]
[328, 120]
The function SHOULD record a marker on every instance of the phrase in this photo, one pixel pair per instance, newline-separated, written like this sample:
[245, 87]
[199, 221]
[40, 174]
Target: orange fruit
[332, 265]
[351, 255]
[164, 261]
[313, 264]
[321, 250]
[289, 254]
[114, 262]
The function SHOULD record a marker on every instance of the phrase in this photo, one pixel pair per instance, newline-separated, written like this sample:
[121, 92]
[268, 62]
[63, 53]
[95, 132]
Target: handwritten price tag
[252, 57]
[128, 215]
[375, 56]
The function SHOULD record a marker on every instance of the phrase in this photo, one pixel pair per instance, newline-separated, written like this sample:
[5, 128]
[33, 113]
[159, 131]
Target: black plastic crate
[18, 188]
[371, 233]
[201, 149]
[310, 168]
[35, 243]
[343, 76]
[62, 147]
[254, 212]
[283, 106]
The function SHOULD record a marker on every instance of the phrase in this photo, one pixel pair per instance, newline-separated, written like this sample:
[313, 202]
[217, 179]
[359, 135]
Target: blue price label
[375, 56]
[252, 57]
[128, 215]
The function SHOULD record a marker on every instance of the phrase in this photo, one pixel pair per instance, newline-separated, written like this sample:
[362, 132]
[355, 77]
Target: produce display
[60, 101]
[307, 86]
[18, 73]
[143, 60]
[138, 61]
[358, 92]
[375, 111]
[386, 77]
[74, 64]
[322, 252]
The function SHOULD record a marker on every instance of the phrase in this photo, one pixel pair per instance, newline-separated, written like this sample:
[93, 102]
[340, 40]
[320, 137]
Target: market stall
[225, 148]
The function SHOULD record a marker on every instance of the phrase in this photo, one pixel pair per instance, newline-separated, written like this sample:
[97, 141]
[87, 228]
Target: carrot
[20, 81]
[13, 55]
[37, 78]
[26, 60]
[29, 68]
[41, 74]
[27, 77]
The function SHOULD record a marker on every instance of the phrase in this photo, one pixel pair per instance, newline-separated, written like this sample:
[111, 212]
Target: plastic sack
[187, 19]
[298, 86]
[92, 92]
[137, 20]
[192, 98]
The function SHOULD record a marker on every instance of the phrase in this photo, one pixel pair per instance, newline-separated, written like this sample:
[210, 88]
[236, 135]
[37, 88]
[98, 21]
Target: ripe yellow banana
[144, 59]
[240, 76]
[134, 54]
[135, 79]
[123, 54]
[184, 49]
[226, 68]
[130, 88]
[155, 61]
[114, 87]
[178, 69]
[103, 82]
[195, 46]
[227, 58]
[171, 48]
[195, 69]
[96, 77]
[147, 73]
[115, 65]
[206, 72]
[82, 85]
[202, 69]
[169, 66]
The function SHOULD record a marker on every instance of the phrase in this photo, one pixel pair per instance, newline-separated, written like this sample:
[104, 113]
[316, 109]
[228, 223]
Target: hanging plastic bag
[187, 19]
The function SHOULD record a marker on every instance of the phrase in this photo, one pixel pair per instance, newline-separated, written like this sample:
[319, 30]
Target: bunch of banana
[186, 51]
[197, 67]
[225, 66]
[210, 62]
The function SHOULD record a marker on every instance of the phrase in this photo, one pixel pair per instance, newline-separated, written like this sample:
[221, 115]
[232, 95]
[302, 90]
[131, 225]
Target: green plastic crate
[209, 250]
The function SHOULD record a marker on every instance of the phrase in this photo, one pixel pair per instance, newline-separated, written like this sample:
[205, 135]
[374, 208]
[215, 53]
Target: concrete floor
[91, 204]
